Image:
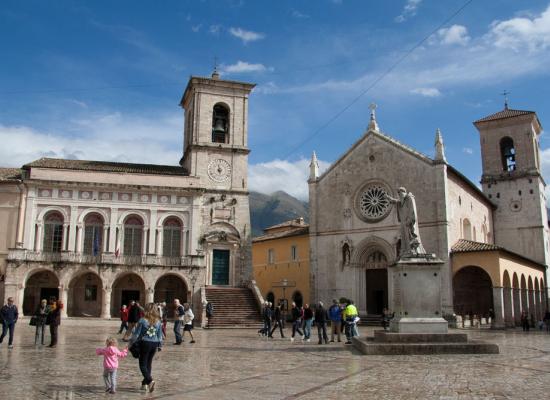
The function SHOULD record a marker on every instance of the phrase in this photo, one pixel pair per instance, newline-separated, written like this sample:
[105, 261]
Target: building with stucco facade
[98, 234]
[493, 241]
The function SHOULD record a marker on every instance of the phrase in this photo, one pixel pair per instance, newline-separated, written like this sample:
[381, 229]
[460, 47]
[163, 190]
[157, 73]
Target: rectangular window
[90, 293]
[171, 242]
[271, 256]
[92, 239]
[294, 253]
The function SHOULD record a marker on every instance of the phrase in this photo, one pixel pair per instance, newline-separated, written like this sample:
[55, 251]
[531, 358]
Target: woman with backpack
[148, 332]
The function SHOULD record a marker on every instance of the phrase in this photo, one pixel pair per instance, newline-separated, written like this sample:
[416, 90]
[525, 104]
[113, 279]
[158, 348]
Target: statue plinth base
[415, 295]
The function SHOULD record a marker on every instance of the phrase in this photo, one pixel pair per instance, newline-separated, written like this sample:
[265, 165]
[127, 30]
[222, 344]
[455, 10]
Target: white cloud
[196, 28]
[409, 10]
[290, 177]
[516, 33]
[246, 36]
[427, 92]
[545, 167]
[108, 137]
[297, 14]
[456, 34]
[243, 66]
[468, 150]
[214, 29]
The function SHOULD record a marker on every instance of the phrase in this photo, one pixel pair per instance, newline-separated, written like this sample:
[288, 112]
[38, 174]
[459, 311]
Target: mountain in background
[267, 210]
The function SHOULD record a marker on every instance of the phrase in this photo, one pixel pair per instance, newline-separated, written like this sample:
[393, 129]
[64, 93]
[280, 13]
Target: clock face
[219, 170]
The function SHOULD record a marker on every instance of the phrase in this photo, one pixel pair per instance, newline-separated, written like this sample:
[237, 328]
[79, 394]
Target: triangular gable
[387, 139]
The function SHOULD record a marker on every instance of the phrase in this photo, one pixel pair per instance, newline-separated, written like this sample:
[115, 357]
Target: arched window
[171, 238]
[220, 124]
[53, 233]
[508, 154]
[133, 232]
[466, 229]
[93, 234]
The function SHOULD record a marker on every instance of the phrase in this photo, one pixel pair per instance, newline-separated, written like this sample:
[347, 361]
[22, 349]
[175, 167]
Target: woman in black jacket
[41, 317]
[54, 320]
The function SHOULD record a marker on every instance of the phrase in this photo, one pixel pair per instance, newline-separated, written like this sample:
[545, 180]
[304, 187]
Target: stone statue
[406, 214]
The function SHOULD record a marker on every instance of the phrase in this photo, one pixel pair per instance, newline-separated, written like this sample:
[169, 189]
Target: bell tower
[215, 139]
[512, 179]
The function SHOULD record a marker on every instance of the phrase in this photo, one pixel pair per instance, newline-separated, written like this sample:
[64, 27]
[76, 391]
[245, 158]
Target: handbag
[33, 321]
[135, 347]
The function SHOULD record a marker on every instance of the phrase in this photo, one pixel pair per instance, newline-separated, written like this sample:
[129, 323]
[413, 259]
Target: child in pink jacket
[111, 354]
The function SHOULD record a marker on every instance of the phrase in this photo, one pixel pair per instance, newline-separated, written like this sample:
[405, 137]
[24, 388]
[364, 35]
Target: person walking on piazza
[111, 354]
[349, 315]
[9, 315]
[524, 321]
[267, 315]
[335, 316]
[209, 313]
[133, 317]
[41, 317]
[308, 322]
[164, 317]
[188, 318]
[123, 319]
[278, 321]
[321, 323]
[54, 320]
[179, 313]
[148, 332]
[297, 316]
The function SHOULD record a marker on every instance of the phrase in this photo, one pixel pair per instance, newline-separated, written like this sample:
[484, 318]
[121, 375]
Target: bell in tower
[220, 122]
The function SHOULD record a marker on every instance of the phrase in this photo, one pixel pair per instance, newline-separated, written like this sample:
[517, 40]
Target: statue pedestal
[415, 295]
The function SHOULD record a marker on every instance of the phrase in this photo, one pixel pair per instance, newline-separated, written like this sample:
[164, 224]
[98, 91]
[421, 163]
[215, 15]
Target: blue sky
[102, 80]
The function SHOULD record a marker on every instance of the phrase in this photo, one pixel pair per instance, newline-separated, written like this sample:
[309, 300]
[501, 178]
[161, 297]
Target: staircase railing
[251, 284]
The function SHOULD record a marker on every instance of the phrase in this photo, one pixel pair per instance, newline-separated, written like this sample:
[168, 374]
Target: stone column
[106, 303]
[149, 295]
[72, 232]
[39, 233]
[517, 306]
[65, 236]
[531, 302]
[64, 294]
[152, 233]
[79, 238]
[105, 236]
[508, 307]
[113, 226]
[144, 241]
[498, 304]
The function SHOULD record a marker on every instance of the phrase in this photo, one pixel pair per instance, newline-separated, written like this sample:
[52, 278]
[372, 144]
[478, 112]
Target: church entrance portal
[377, 290]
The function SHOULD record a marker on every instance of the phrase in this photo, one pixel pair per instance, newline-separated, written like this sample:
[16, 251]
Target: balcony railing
[106, 258]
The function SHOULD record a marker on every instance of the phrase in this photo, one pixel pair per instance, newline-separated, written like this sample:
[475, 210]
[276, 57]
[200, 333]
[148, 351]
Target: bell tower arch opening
[220, 124]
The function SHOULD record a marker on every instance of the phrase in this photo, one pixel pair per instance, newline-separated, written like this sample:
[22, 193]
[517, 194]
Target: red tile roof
[464, 246]
[304, 230]
[506, 113]
[10, 174]
[107, 166]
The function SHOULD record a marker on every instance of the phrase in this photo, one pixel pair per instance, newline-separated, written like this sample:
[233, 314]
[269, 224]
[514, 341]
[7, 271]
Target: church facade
[493, 241]
[99, 234]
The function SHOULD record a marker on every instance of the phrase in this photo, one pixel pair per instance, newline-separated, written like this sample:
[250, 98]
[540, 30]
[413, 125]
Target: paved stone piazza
[237, 364]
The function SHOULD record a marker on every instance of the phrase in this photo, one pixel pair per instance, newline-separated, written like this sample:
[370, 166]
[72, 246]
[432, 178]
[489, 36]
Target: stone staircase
[370, 320]
[233, 308]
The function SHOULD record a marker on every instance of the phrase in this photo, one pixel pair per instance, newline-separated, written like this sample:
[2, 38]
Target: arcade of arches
[498, 280]
[88, 294]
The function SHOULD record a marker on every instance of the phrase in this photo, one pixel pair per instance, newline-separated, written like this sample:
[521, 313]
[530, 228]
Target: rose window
[373, 203]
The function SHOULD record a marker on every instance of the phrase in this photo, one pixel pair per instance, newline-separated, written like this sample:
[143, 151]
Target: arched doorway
[472, 292]
[86, 296]
[298, 298]
[40, 285]
[126, 288]
[168, 288]
[376, 282]
[271, 298]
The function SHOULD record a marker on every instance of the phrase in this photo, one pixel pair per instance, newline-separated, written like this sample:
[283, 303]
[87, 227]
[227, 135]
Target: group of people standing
[45, 314]
[341, 317]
